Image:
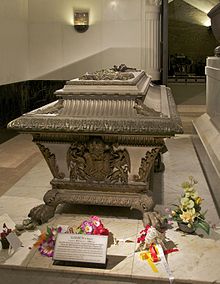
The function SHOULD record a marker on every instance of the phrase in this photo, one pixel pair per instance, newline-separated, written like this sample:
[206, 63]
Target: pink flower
[87, 227]
[167, 210]
[46, 250]
[96, 221]
[59, 229]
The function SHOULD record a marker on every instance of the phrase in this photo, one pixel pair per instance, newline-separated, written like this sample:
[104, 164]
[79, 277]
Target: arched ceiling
[201, 6]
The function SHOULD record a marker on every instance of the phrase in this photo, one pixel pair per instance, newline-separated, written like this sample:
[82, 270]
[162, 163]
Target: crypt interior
[41, 48]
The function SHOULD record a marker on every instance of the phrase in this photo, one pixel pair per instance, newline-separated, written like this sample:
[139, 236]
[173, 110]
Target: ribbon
[147, 256]
[154, 253]
[167, 251]
[165, 264]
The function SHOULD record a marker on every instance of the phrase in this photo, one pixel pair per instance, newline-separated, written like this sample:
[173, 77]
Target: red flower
[5, 231]
[104, 231]
[143, 233]
[96, 221]
[100, 230]
[96, 231]
[141, 239]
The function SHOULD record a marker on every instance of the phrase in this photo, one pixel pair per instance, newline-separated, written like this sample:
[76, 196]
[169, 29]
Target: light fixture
[81, 20]
[114, 4]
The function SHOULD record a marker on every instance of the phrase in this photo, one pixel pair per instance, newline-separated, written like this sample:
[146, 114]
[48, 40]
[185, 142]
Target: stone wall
[21, 97]
[14, 41]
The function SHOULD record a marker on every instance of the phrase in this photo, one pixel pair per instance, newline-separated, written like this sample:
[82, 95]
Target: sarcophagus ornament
[102, 140]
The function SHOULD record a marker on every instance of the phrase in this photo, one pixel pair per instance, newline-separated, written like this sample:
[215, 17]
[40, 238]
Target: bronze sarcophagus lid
[102, 140]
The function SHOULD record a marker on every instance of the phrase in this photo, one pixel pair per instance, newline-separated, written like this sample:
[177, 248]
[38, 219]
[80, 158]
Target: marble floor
[24, 180]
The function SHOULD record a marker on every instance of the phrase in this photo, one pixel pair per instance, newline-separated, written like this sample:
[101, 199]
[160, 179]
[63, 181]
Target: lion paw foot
[153, 219]
[42, 213]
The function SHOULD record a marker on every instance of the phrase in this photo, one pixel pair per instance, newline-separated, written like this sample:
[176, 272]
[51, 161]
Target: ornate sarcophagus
[102, 140]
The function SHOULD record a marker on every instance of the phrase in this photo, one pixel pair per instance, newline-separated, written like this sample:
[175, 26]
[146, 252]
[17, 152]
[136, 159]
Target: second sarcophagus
[102, 140]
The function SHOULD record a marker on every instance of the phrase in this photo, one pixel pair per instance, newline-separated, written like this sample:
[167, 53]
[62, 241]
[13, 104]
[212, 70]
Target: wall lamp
[81, 20]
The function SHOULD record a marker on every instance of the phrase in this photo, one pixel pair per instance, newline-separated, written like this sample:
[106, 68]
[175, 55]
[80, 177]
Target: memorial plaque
[77, 248]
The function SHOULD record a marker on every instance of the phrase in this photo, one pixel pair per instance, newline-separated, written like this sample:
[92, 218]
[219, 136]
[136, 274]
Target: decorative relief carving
[120, 72]
[42, 213]
[52, 109]
[114, 200]
[135, 140]
[159, 127]
[97, 161]
[124, 68]
[146, 165]
[51, 161]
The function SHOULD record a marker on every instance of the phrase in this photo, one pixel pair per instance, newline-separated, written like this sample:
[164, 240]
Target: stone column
[151, 38]
[212, 71]
[207, 126]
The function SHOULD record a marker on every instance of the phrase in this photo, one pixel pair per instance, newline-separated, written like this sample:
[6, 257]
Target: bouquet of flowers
[149, 236]
[152, 245]
[188, 212]
[46, 241]
[93, 226]
[6, 231]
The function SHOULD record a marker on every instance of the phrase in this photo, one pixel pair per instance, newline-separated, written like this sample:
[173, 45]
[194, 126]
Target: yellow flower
[188, 216]
[198, 200]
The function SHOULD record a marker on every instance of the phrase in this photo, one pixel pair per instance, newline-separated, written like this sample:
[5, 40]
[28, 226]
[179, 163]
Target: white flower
[152, 233]
[195, 195]
[189, 189]
[187, 203]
